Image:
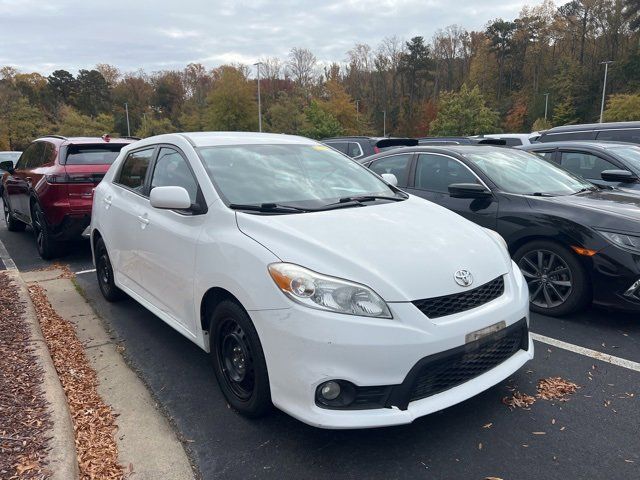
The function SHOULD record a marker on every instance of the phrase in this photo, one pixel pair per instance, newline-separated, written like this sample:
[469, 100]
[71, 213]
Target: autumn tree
[231, 105]
[622, 108]
[464, 113]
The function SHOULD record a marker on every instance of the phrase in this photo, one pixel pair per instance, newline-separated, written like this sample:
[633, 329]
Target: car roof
[213, 139]
[576, 143]
[506, 135]
[85, 140]
[446, 149]
[593, 126]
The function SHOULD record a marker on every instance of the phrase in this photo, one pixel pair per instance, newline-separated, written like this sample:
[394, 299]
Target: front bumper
[614, 271]
[305, 347]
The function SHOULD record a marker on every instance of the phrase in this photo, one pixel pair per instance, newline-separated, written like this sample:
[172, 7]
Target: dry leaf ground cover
[24, 418]
[93, 420]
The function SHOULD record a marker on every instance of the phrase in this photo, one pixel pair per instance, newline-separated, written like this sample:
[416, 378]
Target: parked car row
[261, 248]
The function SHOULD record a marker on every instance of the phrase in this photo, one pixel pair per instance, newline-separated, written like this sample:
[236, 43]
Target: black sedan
[574, 242]
[603, 163]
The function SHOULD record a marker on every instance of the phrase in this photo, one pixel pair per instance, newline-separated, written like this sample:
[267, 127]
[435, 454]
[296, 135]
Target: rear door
[430, 179]
[167, 243]
[588, 165]
[123, 203]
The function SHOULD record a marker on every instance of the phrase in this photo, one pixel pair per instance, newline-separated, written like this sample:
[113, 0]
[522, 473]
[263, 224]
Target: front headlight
[322, 292]
[622, 240]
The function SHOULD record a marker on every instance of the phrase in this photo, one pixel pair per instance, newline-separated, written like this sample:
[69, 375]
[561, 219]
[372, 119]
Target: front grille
[460, 302]
[439, 372]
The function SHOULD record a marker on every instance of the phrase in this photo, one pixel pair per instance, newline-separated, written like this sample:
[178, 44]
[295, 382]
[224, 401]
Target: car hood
[405, 250]
[605, 206]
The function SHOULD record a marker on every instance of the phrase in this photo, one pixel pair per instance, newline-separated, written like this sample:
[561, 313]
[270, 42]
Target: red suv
[51, 187]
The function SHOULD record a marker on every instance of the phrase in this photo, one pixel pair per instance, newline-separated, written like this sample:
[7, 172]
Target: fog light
[330, 390]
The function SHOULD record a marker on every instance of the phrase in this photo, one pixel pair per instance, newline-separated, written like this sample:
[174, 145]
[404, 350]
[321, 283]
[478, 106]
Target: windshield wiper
[542, 194]
[370, 198]
[585, 189]
[269, 208]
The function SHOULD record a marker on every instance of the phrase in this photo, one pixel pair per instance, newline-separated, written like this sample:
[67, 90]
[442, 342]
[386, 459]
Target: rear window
[102, 154]
[561, 137]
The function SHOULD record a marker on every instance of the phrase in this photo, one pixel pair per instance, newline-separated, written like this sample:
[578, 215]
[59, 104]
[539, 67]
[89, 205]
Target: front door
[19, 182]
[167, 243]
[434, 172]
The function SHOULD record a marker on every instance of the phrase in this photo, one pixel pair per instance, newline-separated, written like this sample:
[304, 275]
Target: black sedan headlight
[623, 240]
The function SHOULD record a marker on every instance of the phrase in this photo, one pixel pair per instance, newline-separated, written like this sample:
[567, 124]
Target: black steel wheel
[47, 246]
[104, 271]
[558, 283]
[13, 224]
[238, 360]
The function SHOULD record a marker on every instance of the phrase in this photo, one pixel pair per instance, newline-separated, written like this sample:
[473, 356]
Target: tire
[104, 272]
[48, 248]
[13, 224]
[558, 283]
[238, 360]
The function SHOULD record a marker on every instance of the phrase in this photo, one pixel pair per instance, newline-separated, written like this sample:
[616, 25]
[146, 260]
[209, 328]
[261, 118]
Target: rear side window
[396, 164]
[340, 146]
[631, 135]
[32, 156]
[100, 154]
[560, 137]
[547, 155]
[134, 170]
[171, 170]
[512, 142]
[354, 150]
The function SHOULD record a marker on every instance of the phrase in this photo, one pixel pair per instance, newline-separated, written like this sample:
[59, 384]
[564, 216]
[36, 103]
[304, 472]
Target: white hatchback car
[317, 286]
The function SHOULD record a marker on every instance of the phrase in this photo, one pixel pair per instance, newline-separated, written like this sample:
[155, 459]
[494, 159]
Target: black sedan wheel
[557, 282]
[13, 224]
[238, 360]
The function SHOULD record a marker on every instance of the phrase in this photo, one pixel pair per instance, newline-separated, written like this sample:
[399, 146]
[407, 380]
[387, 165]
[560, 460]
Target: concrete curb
[62, 457]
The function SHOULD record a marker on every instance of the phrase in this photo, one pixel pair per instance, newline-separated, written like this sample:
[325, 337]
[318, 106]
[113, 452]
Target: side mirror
[618, 176]
[390, 178]
[170, 198]
[468, 190]
[7, 166]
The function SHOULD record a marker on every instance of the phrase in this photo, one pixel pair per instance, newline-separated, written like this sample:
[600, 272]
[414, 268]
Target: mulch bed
[24, 416]
[93, 421]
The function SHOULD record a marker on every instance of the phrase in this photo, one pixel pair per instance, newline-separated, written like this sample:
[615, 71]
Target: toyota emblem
[463, 278]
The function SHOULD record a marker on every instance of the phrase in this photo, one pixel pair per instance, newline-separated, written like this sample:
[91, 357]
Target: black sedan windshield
[300, 175]
[520, 172]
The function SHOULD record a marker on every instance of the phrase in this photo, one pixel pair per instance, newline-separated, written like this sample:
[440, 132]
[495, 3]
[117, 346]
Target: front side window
[297, 175]
[395, 164]
[521, 172]
[340, 146]
[354, 150]
[548, 155]
[134, 170]
[585, 164]
[171, 170]
[436, 172]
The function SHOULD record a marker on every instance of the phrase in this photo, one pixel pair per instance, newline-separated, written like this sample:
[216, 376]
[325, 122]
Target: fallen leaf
[487, 425]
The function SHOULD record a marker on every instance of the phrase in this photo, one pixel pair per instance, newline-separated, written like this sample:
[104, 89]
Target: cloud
[161, 34]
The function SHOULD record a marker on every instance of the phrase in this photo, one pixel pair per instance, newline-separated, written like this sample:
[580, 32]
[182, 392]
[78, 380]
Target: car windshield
[93, 154]
[296, 175]
[520, 172]
[630, 154]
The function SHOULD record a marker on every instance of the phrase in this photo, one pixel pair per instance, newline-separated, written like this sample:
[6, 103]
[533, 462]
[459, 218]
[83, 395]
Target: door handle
[144, 220]
[107, 201]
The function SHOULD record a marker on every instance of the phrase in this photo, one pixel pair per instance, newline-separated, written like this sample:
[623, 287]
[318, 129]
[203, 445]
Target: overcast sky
[44, 35]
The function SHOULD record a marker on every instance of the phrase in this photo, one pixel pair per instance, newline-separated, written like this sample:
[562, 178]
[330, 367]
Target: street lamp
[546, 104]
[258, 64]
[126, 109]
[604, 86]
[384, 123]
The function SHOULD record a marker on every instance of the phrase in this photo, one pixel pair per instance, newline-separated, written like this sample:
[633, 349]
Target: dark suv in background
[362, 147]
[51, 187]
[613, 132]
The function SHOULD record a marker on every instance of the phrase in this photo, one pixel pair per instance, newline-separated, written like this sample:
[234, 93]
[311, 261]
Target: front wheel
[558, 283]
[238, 360]
[13, 224]
[47, 246]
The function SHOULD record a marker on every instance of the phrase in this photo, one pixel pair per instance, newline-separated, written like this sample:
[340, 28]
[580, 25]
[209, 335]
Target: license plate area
[484, 332]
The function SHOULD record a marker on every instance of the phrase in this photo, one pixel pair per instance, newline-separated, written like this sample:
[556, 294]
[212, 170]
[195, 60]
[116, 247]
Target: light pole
[384, 123]
[546, 104]
[604, 86]
[126, 109]
[258, 64]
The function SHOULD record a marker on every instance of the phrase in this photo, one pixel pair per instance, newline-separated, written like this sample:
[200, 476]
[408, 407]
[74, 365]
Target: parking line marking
[85, 271]
[6, 258]
[605, 357]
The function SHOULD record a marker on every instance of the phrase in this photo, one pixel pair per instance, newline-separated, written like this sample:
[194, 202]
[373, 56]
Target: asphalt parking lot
[595, 434]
